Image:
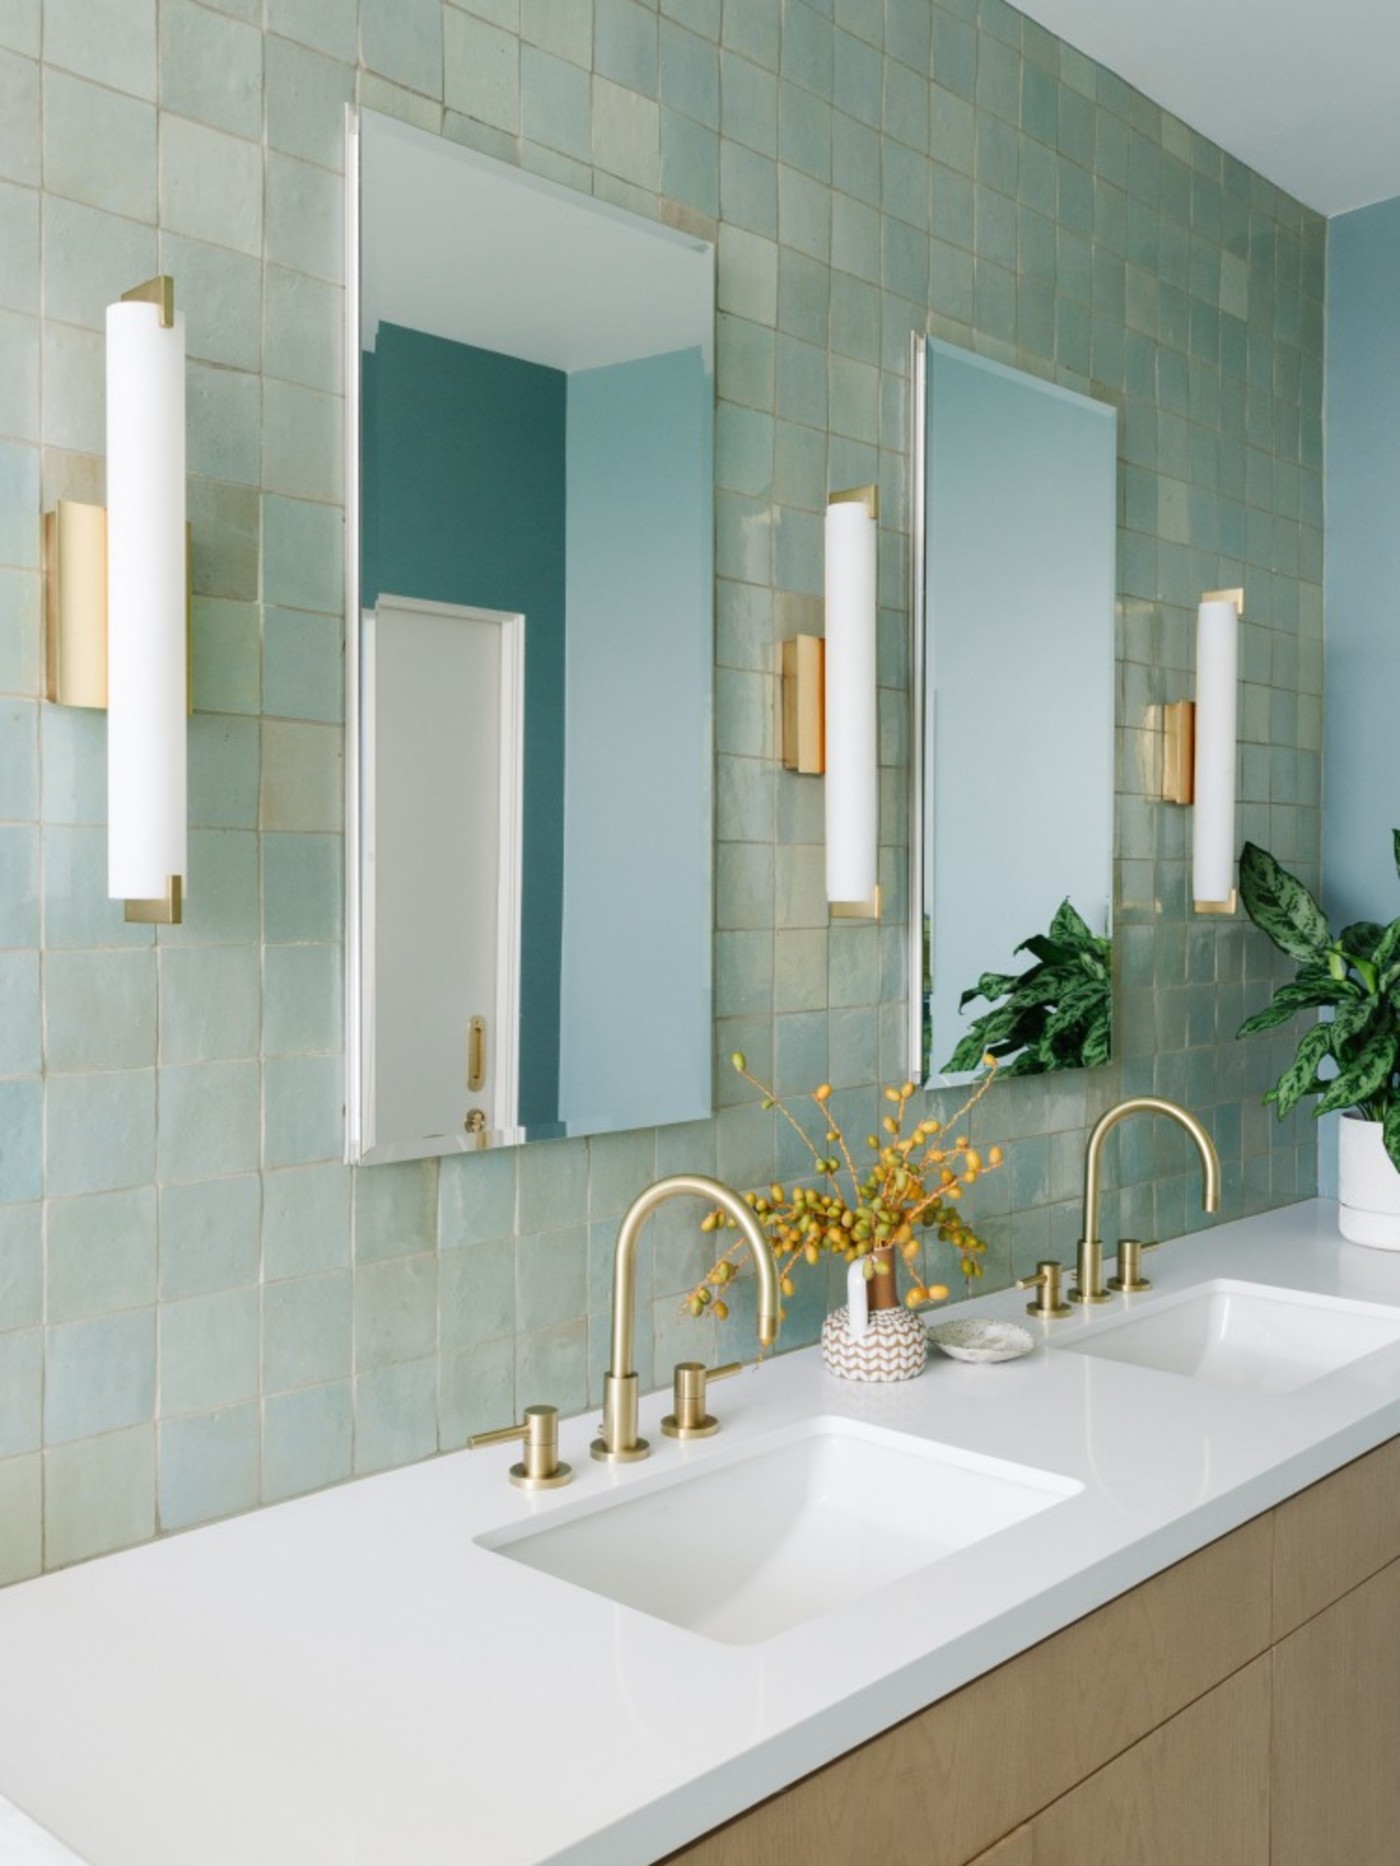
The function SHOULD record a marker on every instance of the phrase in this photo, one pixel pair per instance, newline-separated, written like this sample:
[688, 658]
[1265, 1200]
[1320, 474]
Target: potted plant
[1354, 974]
[1056, 1014]
[905, 1196]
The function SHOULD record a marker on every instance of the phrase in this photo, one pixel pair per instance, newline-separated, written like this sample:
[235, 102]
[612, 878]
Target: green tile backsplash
[200, 1308]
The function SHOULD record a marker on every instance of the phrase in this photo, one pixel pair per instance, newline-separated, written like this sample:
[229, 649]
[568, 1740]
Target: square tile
[101, 1254]
[99, 1495]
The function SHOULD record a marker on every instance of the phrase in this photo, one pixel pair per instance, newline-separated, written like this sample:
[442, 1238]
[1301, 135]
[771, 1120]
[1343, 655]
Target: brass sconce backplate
[1179, 751]
[868, 496]
[168, 910]
[75, 604]
[804, 705]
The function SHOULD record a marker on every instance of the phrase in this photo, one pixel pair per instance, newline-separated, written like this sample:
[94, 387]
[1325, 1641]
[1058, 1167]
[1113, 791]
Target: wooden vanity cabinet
[1241, 1708]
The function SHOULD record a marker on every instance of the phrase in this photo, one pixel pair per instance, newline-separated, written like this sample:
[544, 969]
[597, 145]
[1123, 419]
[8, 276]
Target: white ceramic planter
[1369, 1186]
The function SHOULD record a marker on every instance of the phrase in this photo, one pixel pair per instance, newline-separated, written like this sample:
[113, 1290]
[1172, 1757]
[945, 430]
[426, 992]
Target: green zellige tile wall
[200, 1309]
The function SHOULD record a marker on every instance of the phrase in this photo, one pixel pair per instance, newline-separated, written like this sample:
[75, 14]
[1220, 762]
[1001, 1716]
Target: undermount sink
[1244, 1335]
[740, 1549]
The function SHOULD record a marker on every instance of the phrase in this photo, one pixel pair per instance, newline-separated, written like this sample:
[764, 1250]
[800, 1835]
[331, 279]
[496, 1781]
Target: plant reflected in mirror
[1056, 1014]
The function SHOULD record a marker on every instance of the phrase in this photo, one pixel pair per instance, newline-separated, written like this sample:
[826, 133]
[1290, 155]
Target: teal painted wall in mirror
[635, 1022]
[1019, 546]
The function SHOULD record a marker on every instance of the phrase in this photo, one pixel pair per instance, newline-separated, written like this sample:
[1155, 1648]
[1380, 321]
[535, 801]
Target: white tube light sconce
[1199, 751]
[117, 605]
[830, 708]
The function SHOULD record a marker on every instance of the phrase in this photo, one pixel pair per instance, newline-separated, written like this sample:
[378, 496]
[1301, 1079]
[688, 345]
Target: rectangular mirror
[1013, 775]
[529, 654]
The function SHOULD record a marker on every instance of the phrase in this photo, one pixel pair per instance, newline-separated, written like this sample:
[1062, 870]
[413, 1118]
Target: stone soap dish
[982, 1341]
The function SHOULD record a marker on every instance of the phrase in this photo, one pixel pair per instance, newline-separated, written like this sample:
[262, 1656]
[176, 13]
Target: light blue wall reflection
[1019, 603]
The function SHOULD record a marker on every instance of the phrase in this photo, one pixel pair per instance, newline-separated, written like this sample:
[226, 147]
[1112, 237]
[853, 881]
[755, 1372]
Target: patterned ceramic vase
[871, 1337]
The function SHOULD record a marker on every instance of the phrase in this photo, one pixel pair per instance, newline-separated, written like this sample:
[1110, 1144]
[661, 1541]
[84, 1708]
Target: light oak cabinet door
[1196, 1790]
[1336, 1784]
[1332, 1537]
[1017, 1849]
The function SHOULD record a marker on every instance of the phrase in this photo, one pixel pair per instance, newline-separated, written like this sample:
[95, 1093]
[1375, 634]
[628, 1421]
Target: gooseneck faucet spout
[619, 1442]
[1090, 1273]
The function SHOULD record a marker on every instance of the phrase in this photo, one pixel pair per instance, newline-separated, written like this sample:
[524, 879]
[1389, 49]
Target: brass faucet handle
[1130, 1278]
[690, 1419]
[1049, 1301]
[540, 1468]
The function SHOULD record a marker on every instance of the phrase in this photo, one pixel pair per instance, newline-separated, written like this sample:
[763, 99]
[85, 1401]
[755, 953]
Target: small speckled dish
[982, 1341]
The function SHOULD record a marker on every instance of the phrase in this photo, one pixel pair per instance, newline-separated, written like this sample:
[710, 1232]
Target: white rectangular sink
[740, 1549]
[1244, 1335]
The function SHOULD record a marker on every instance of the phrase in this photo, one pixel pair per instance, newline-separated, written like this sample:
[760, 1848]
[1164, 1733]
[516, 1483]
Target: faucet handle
[1130, 1278]
[540, 1469]
[1049, 1299]
[690, 1419]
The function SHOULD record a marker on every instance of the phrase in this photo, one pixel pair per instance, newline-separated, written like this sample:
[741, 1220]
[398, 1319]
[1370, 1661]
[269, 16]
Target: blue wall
[1361, 769]
[464, 503]
[639, 577]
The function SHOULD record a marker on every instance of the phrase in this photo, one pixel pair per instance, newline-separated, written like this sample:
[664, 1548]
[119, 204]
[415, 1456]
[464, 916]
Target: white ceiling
[1305, 91]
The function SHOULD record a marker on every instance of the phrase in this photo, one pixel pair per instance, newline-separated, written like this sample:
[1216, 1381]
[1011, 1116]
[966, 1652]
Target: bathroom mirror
[530, 397]
[1011, 835]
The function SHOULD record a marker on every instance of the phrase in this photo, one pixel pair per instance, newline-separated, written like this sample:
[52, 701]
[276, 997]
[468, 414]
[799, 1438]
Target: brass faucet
[1090, 1275]
[619, 1442]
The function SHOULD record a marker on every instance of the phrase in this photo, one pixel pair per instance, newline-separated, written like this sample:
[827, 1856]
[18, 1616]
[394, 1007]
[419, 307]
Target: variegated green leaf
[967, 1055]
[1097, 1045]
[1076, 1004]
[1048, 951]
[1280, 906]
[1371, 1069]
[1361, 939]
[1289, 999]
[1041, 986]
[1387, 952]
[1395, 848]
[1350, 1022]
[991, 985]
[1300, 1077]
[1269, 1018]
[1068, 928]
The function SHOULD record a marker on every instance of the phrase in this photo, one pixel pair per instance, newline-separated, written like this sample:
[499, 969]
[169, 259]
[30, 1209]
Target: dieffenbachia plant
[1057, 1014]
[1355, 975]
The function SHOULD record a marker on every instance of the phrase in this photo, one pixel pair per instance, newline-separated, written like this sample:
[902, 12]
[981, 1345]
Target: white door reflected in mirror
[441, 837]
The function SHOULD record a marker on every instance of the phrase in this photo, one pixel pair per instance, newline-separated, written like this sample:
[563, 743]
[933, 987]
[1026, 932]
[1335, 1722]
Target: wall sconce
[830, 717]
[117, 604]
[1199, 751]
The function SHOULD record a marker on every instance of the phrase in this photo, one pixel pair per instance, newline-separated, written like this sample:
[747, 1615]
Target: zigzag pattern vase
[893, 1347]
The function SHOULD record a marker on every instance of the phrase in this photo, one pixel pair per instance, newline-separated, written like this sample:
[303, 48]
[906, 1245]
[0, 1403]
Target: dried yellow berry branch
[907, 1196]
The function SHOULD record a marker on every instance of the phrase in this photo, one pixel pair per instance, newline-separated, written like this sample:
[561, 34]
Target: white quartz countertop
[350, 1680]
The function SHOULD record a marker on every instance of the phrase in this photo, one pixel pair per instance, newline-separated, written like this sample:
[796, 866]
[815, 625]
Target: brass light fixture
[117, 604]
